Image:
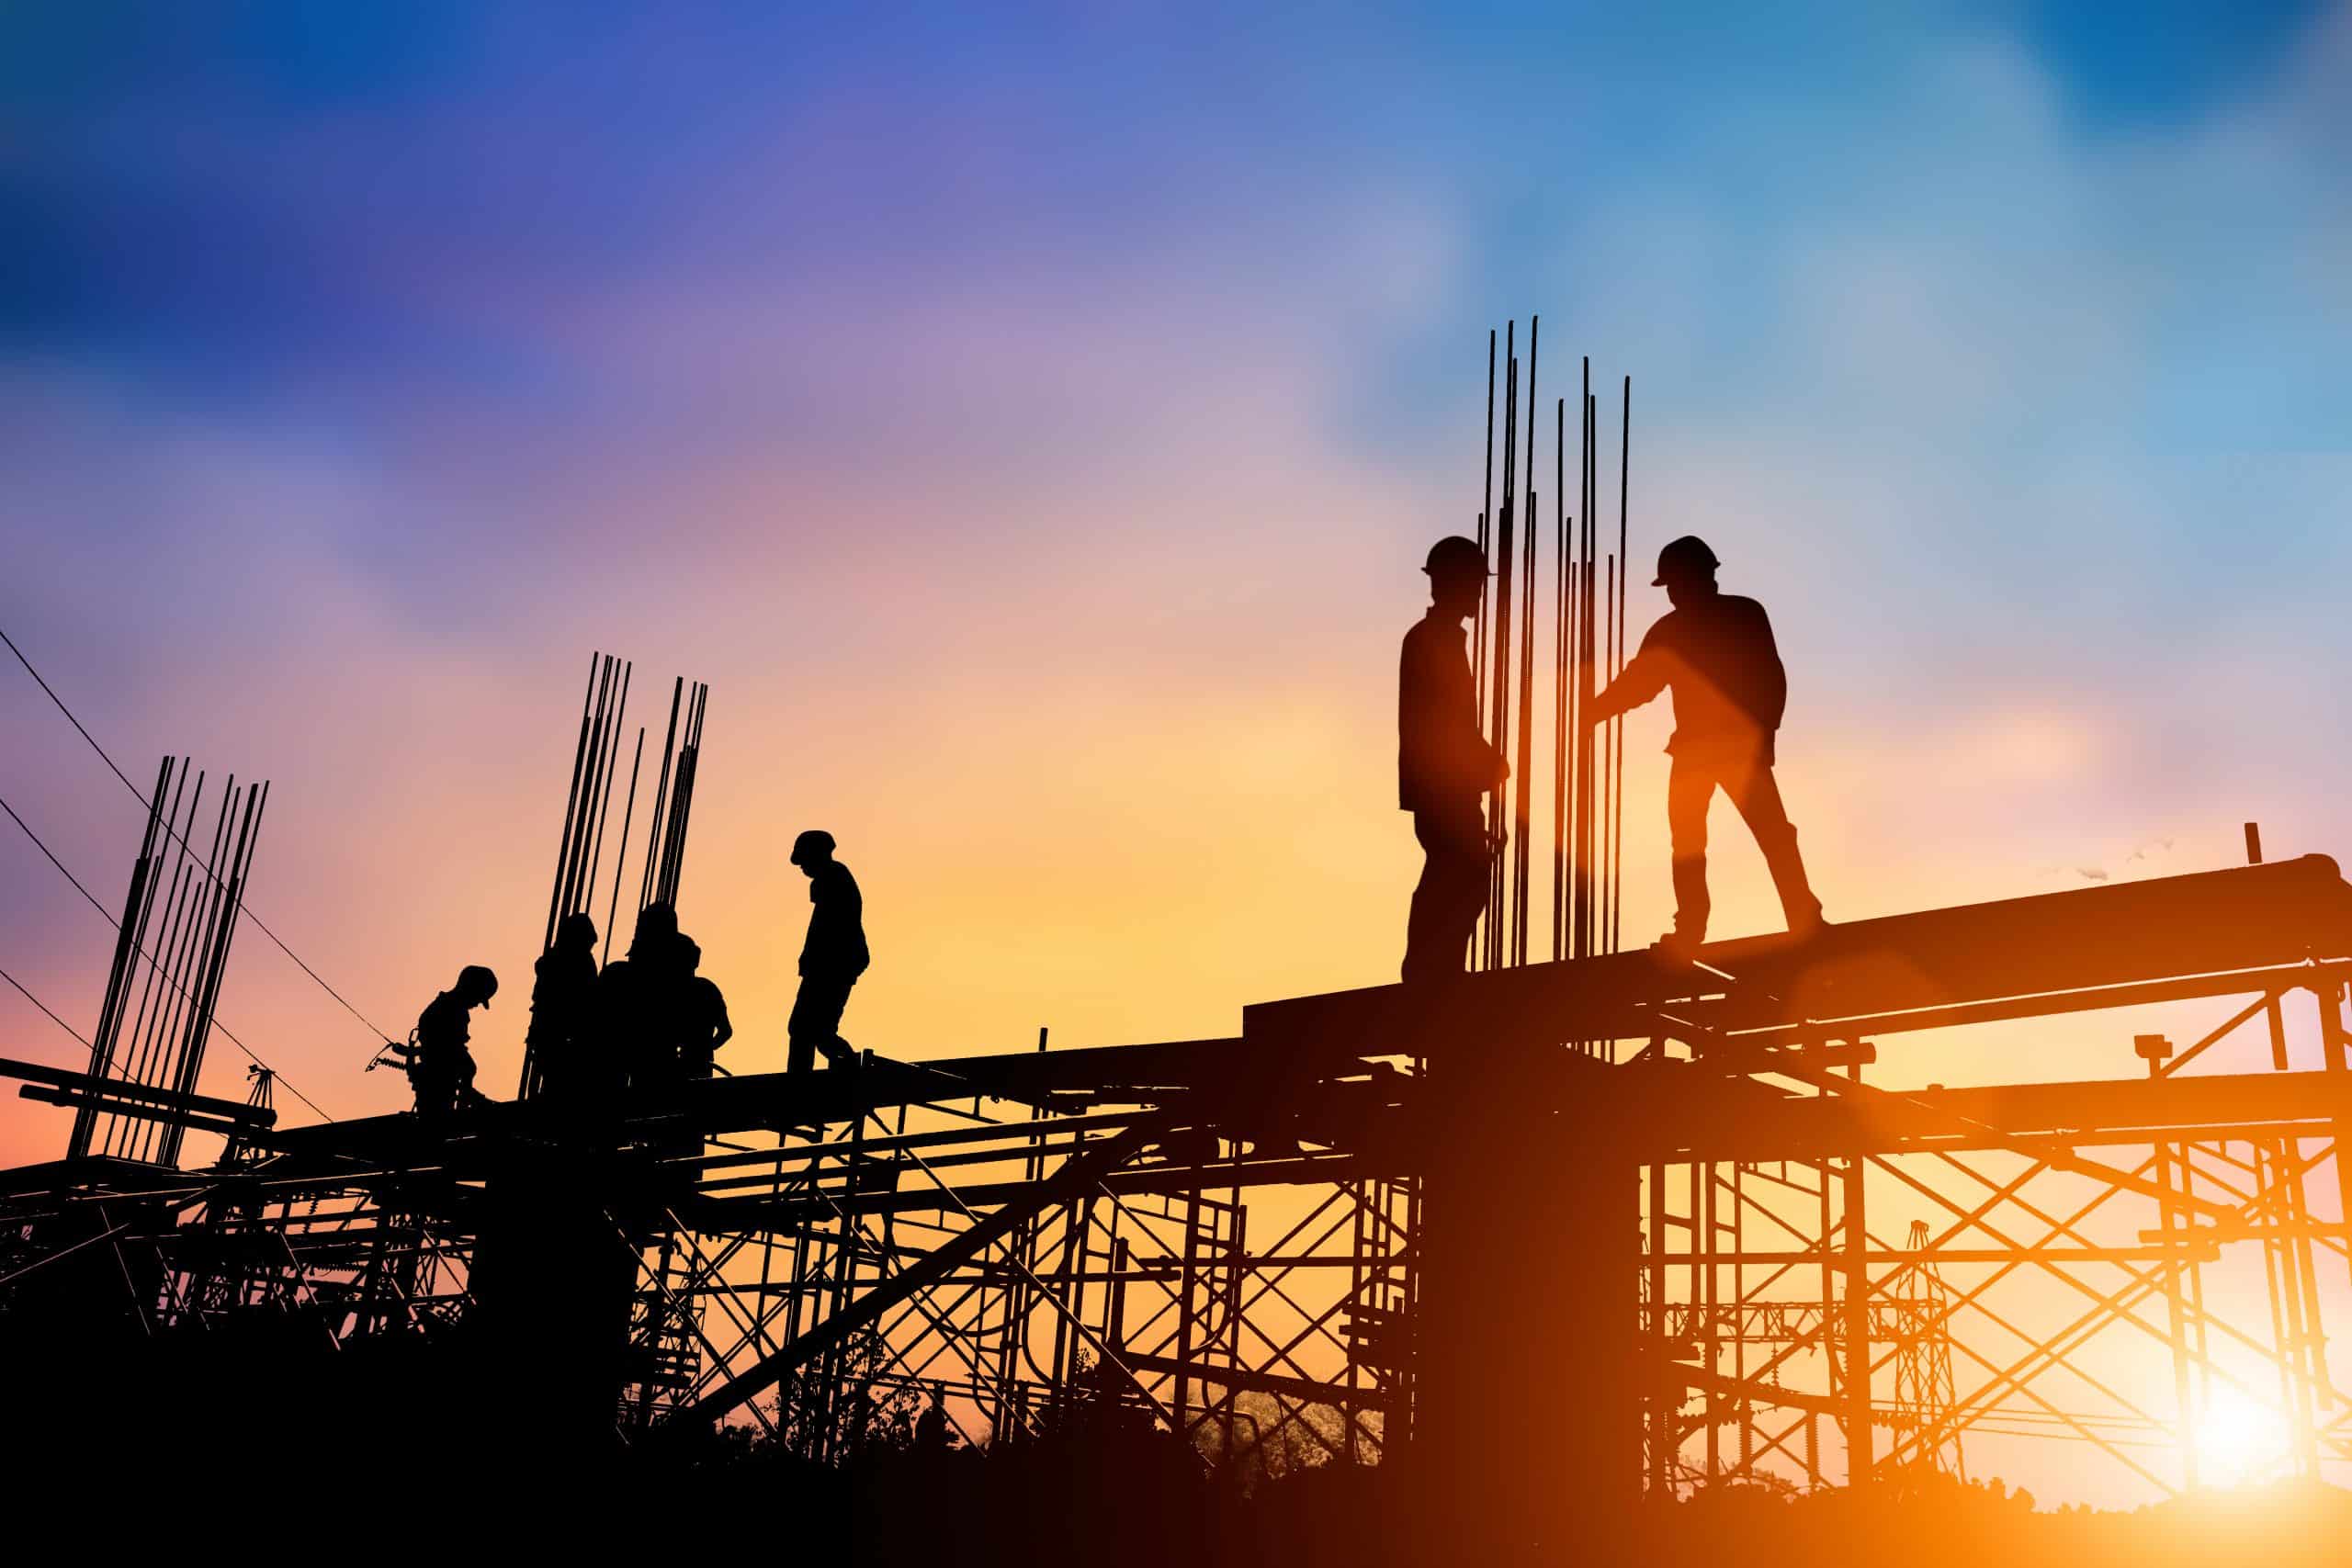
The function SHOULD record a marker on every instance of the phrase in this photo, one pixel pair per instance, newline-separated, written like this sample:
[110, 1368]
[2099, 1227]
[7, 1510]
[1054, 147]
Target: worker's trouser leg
[436, 1094]
[1691, 785]
[1757, 794]
[816, 1022]
[1451, 893]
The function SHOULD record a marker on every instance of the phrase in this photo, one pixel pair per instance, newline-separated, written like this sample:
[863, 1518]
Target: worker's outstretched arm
[1640, 680]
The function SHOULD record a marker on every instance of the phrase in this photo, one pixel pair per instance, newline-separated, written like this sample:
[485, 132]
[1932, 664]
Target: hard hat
[1455, 555]
[1684, 558]
[656, 923]
[809, 845]
[475, 980]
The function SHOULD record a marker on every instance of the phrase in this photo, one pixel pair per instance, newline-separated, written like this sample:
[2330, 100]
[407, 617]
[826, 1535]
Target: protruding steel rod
[605, 805]
[570, 803]
[621, 863]
[1560, 737]
[661, 797]
[1485, 512]
[1616, 667]
[1499, 687]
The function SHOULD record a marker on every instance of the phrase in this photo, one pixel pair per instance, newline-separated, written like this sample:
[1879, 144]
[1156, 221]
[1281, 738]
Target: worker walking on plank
[1715, 651]
[832, 958]
[1444, 766]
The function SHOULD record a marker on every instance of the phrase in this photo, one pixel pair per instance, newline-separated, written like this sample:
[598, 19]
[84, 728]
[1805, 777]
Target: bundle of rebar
[596, 765]
[580, 852]
[673, 799]
[1586, 606]
[156, 1017]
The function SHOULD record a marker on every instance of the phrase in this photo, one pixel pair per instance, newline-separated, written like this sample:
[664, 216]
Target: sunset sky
[1030, 427]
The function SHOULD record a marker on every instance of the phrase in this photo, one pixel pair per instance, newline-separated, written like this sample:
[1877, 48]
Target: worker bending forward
[1716, 651]
[1444, 766]
[440, 1066]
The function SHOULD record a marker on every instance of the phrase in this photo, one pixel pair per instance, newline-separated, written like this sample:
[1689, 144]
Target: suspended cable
[379, 1036]
[44, 1006]
[110, 920]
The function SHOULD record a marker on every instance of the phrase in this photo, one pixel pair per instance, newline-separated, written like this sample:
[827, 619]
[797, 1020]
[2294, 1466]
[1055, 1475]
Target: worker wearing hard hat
[440, 1066]
[832, 958]
[1716, 651]
[1444, 766]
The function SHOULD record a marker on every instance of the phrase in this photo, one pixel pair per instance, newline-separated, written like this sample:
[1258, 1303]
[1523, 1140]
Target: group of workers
[648, 1023]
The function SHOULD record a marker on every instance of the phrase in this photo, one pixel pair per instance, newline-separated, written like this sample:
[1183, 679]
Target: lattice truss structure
[1239, 1300]
[2156, 1296]
[892, 1247]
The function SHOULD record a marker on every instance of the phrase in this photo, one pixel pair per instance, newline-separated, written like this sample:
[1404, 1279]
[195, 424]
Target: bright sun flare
[2238, 1440]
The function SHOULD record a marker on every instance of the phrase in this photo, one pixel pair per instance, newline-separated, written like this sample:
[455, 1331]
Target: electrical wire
[230, 1034]
[44, 1006]
[378, 1035]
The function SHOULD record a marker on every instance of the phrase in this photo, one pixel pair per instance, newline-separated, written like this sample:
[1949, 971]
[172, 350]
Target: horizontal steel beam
[111, 1089]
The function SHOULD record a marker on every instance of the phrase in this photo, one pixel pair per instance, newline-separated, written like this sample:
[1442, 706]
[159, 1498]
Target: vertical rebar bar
[570, 804]
[661, 797]
[1486, 514]
[1499, 685]
[605, 805]
[1616, 668]
[620, 858]
[1559, 672]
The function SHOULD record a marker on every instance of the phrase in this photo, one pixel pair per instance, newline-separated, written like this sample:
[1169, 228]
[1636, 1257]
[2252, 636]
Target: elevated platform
[2209, 933]
[2239, 930]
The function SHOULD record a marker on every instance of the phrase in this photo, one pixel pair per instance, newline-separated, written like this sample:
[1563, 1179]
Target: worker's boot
[1691, 908]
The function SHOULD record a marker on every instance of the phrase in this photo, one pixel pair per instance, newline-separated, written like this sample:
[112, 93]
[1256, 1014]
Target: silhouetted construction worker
[636, 1000]
[702, 1016]
[1444, 766]
[440, 1066]
[832, 958]
[562, 1003]
[1716, 651]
